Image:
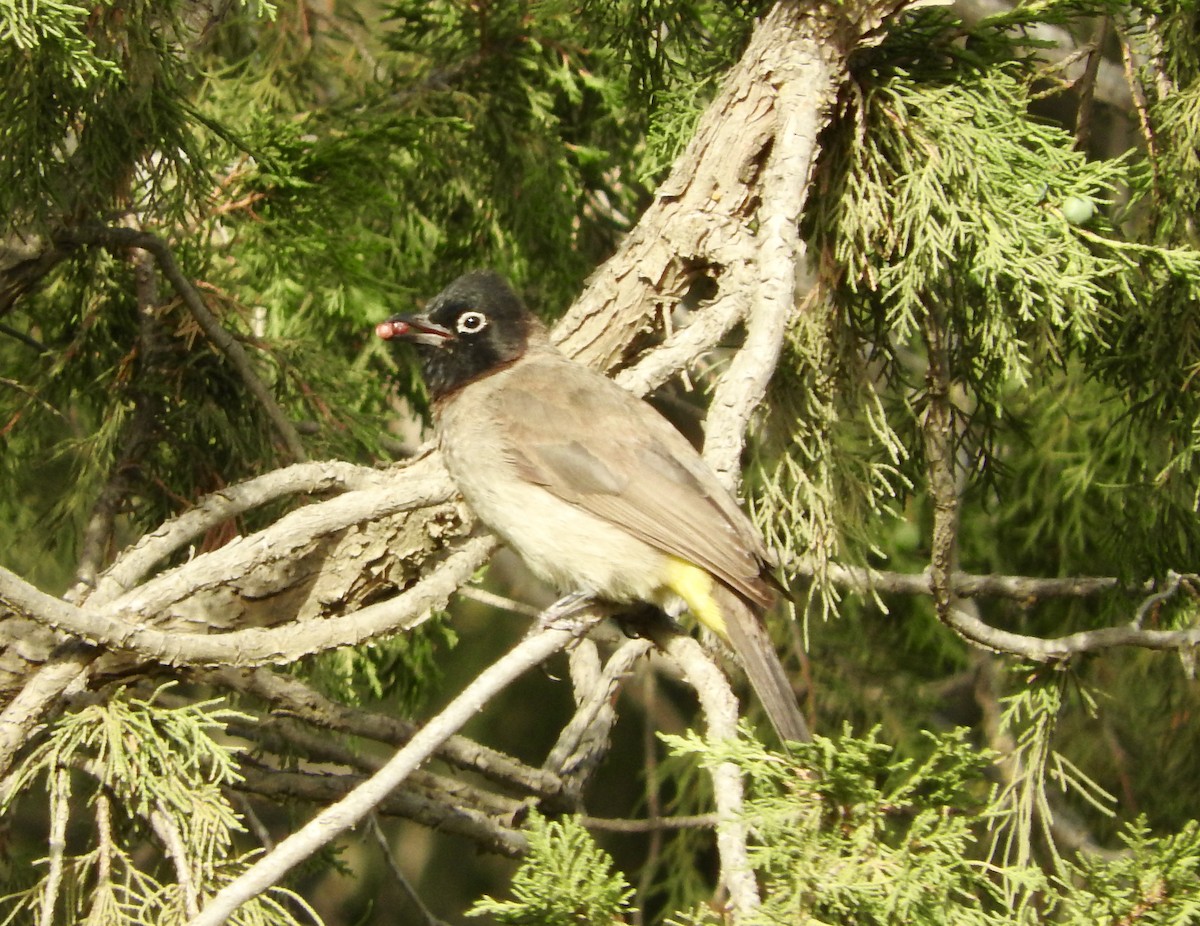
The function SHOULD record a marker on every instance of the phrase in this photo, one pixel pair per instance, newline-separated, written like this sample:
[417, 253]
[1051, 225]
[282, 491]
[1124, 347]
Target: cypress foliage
[314, 167]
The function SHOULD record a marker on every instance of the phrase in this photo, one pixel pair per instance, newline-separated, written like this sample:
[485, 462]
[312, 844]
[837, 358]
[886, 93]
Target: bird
[598, 493]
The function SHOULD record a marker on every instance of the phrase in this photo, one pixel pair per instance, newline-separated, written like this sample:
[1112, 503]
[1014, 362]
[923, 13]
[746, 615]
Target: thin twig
[652, 785]
[1152, 601]
[435, 809]
[68, 666]
[965, 585]
[289, 739]
[254, 821]
[60, 811]
[499, 602]
[1142, 108]
[172, 839]
[104, 846]
[584, 741]
[720, 709]
[330, 822]
[1086, 85]
[393, 866]
[290, 695]
[24, 338]
[652, 824]
[937, 432]
[114, 237]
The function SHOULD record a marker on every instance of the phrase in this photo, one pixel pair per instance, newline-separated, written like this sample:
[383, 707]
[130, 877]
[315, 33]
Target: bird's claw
[563, 612]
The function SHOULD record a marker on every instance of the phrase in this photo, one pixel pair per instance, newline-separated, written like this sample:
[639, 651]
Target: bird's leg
[566, 607]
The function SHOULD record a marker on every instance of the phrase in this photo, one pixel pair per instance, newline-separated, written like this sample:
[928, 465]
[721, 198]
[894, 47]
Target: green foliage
[945, 203]
[827, 461]
[565, 880]
[849, 832]
[404, 667]
[152, 778]
[318, 166]
[1021, 812]
[950, 204]
[1152, 882]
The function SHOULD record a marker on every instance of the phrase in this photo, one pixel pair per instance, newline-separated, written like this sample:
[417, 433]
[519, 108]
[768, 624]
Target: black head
[472, 327]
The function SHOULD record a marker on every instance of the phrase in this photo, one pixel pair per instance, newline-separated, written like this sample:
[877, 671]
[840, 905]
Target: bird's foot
[560, 613]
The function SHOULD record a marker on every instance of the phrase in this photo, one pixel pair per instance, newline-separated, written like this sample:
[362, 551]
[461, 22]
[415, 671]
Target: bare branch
[289, 694]
[108, 617]
[255, 646]
[68, 667]
[389, 859]
[114, 238]
[482, 828]
[330, 822]
[965, 585]
[937, 432]
[165, 828]
[1059, 649]
[801, 77]
[584, 741]
[288, 738]
[706, 326]
[720, 709]
[937, 428]
[702, 821]
[133, 564]
[424, 484]
[23, 264]
[60, 811]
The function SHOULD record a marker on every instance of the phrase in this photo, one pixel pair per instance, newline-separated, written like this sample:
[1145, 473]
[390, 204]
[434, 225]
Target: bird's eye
[471, 322]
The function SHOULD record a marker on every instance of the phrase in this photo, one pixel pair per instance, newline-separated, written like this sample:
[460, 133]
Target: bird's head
[472, 327]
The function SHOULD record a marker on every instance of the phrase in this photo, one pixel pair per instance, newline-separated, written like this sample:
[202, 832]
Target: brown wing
[616, 457]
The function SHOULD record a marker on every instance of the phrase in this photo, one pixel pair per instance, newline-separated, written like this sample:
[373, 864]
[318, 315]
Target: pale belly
[563, 545]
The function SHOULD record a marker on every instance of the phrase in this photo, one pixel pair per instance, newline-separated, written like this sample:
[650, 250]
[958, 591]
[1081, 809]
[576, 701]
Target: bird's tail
[754, 649]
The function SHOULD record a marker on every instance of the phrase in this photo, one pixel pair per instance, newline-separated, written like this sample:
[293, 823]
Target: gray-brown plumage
[591, 486]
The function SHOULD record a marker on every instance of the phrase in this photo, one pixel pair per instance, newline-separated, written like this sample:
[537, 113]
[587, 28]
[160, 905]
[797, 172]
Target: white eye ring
[471, 322]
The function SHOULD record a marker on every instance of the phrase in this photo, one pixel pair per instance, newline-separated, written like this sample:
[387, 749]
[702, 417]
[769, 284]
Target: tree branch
[584, 741]
[294, 534]
[113, 238]
[440, 803]
[702, 821]
[255, 646]
[288, 694]
[135, 562]
[332, 821]
[800, 77]
[66, 668]
[937, 433]
[965, 585]
[393, 866]
[165, 827]
[720, 709]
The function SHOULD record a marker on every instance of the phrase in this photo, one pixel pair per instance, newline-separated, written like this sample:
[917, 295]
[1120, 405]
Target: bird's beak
[414, 328]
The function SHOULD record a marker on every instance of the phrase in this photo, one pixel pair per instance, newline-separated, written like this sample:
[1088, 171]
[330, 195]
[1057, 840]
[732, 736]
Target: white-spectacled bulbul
[594, 489]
